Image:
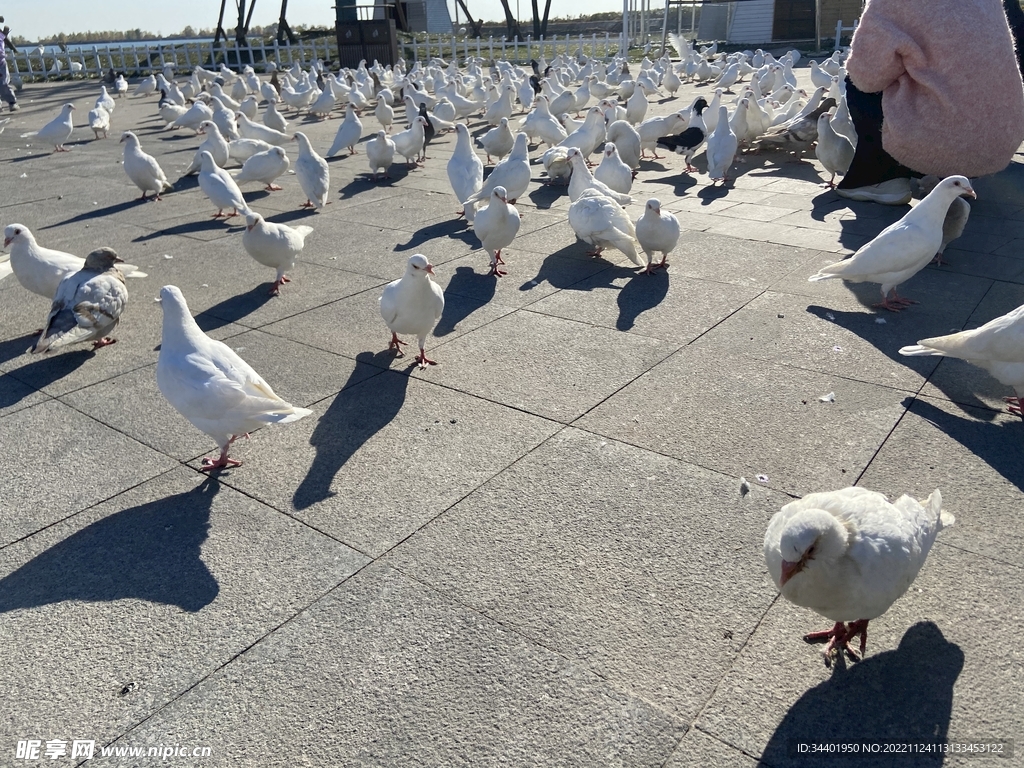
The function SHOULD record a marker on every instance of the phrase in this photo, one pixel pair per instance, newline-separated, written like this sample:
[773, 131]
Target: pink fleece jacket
[952, 97]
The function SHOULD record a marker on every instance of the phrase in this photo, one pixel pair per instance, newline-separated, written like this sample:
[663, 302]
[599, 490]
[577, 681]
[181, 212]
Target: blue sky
[39, 18]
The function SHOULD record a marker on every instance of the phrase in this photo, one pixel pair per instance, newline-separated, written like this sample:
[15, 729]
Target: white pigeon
[214, 143]
[411, 142]
[144, 171]
[956, 217]
[241, 150]
[556, 162]
[627, 141]
[192, 117]
[145, 87]
[247, 129]
[220, 188]
[465, 171]
[57, 131]
[250, 108]
[265, 167]
[832, 149]
[582, 179]
[541, 126]
[654, 128]
[601, 222]
[274, 245]
[512, 173]
[997, 346]
[40, 269]
[636, 105]
[413, 304]
[105, 100]
[613, 172]
[903, 249]
[272, 118]
[349, 133]
[498, 141]
[380, 153]
[99, 121]
[86, 305]
[849, 555]
[313, 174]
[658, 232]
[721, 147]
[496, 226]
[384, 113]
[210, 385]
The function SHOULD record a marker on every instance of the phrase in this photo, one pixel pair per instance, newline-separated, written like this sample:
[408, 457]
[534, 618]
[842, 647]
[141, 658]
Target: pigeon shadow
[148, 552]
[561, 270]
[641, 293]
[905, 695]
[1000, 445]
[23, 158]
[465, 293]
[680, 184]
[293, 215]
[361, 184]
[357, 413]
[888, 338]
[545, 195]
[16, 347]
[47, 368]
[99, 213]
[235, 308]
[190, 227]
[456, 229]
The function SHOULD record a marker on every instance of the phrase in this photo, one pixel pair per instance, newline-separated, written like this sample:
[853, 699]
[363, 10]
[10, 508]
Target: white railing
[840, 29]
[424, 48]
[143, 57]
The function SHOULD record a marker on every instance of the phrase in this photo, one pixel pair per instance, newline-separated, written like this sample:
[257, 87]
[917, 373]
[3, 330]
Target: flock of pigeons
[847, 554]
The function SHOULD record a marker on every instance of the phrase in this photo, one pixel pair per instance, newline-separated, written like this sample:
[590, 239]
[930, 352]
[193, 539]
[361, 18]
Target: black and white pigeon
[429, 130]
[689, 141]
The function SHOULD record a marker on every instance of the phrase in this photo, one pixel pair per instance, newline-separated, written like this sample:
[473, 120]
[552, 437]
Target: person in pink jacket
[933, 87]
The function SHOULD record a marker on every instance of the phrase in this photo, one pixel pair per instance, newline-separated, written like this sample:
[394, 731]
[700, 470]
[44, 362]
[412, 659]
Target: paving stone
[564, 368]
[383, 457]
[974, 457]
[584, 546]
[757, 418]
[109, 615]
[60, 472]
[698, 750]
[696, 305]
[835, 333]
[940, 662]
[371, 668]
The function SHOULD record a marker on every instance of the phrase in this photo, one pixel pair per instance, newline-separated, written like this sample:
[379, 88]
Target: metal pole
[817, 25]
[625, 27]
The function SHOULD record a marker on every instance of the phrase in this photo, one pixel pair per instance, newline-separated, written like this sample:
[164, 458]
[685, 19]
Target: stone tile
[934, 654]
[111, 614]
[698, 750]
[726, 259]
[835, 334]
[353, 327]
[67, 469]
[974, 457]
[752, 212]
[641, 301]
[14, 395]
[748, 230]
[391, 655]
[1002, 268]
[341, 462]
[565, 367]
[757, 418]
[582, 546]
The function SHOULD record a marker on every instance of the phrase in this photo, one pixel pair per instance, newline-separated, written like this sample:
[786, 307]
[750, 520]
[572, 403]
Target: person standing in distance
[5, 76]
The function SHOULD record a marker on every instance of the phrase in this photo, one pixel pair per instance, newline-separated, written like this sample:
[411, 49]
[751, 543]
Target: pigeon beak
[969, 192]
[7, 241]
[118, 260]
[249, 227]
[789, 570]
[430, 269]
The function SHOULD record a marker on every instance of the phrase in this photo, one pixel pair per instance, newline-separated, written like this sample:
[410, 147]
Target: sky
[34, 19]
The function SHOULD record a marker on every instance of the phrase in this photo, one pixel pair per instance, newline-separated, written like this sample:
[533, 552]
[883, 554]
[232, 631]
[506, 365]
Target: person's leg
[5, 89]
[871, 163]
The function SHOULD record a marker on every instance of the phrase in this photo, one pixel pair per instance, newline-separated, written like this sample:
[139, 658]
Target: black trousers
[871, 163]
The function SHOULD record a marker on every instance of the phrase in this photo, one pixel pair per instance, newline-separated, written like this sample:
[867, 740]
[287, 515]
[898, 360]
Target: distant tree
[188, 31]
